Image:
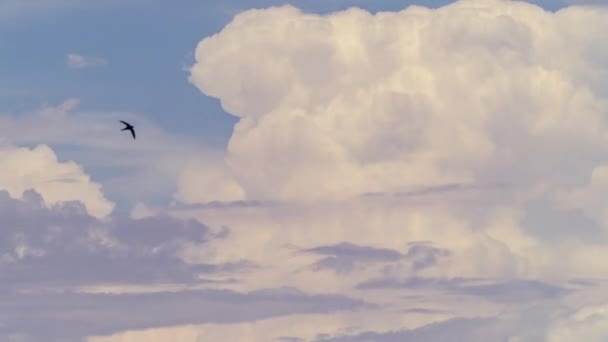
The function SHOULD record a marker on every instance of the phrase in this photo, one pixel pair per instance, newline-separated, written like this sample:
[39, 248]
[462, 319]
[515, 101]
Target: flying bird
[129, 127]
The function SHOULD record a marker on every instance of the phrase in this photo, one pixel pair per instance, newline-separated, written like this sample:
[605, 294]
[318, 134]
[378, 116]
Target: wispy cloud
[85, 314]
[345, 257]
[17, 9]
[76, 61]
[505, 291]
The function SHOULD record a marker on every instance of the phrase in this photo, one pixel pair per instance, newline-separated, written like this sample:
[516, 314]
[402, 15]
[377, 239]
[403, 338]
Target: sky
[304, 171]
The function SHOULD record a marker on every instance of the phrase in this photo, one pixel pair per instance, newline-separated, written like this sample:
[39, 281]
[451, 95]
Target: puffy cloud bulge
[479, 126]
[56, 181]
[475, 93]
[351, 102]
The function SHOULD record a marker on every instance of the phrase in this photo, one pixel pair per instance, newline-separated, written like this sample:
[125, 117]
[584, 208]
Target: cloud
[503, 291]
[63, 245]
[35, 316]
[420, 100]
[92, 138]
[445, 165]
[216, 180]
[460, 329]
[38, 168]
[588, 323]
[417, 99]
[50, 255]
[75, 61]
[540, 324]
[377, 248]
[477, 127]
[344, 257]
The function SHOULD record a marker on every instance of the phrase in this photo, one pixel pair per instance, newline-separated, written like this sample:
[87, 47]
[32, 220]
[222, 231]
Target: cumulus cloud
[76, 61]
[216, 181]
[419, 100]
[64, 245]
[38, 168]
[478, 127]
[141, 210]
[474, 93]
[94, 140]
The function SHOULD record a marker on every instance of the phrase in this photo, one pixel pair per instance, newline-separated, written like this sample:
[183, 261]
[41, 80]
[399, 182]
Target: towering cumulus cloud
[351, 102]
[496, 107]
[416, 157]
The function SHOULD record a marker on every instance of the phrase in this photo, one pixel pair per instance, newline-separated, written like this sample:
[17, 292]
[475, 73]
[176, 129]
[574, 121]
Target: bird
[129, 127]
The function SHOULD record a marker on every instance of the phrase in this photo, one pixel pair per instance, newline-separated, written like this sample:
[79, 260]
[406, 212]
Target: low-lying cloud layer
[52, 257]
[64, 245]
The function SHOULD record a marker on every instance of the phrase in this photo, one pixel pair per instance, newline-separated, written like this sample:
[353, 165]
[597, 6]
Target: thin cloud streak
[76, 61]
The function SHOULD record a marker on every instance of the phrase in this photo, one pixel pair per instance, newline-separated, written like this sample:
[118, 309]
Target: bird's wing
[132, 132]
[127, 124]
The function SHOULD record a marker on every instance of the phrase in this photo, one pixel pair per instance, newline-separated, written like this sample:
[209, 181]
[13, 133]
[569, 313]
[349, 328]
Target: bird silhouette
[129, 127]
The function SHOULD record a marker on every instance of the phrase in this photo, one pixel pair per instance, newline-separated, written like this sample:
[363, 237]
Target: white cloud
[56, 181]
[80, 62]
[361, 103]
[500, 101]
[140, 168]
[206, 181]
[474, 93]
[141, 211]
